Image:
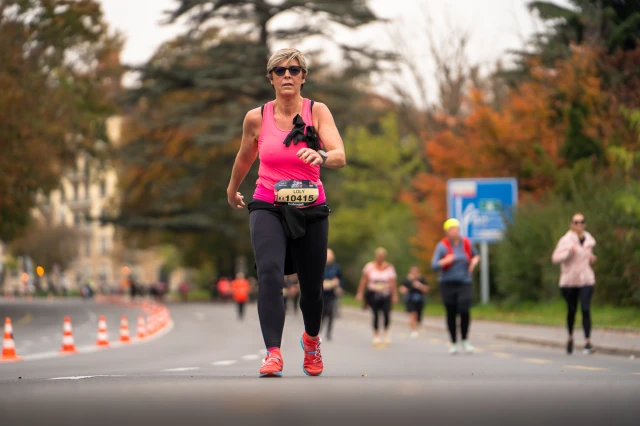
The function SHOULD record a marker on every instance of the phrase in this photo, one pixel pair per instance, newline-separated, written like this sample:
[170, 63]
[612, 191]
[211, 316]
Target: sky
[494, 27]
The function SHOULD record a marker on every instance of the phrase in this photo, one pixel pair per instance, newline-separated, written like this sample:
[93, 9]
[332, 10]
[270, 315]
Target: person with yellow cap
[455, 258]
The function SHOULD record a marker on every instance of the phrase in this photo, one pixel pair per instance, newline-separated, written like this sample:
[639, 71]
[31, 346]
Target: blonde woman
[379, 279]
[294, 137]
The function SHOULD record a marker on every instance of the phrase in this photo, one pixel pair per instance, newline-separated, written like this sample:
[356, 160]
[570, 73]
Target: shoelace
[270, 359]
[318, 356]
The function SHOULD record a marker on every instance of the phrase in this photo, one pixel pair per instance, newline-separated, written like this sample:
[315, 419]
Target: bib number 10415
[296, 193]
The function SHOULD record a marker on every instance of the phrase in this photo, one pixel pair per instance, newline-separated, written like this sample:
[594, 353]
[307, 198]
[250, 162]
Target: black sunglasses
[294, 70]
[579, 222]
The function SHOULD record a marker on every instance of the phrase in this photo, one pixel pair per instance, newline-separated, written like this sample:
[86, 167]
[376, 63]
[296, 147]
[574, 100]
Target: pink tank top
[279, 162]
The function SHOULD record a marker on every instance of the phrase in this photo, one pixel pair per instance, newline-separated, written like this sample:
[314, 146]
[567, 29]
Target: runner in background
[414, 289]
[224, 289]
[332, 289]
[574, 253]
[379, 278]
[240, 288]
[291, 293]
[456, 258]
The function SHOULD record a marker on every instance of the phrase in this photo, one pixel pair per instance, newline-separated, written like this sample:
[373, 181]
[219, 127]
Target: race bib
[380, 286]
[329, 284]
[298, 193]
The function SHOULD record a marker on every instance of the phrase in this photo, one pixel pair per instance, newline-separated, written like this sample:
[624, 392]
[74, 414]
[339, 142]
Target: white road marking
[94, 348]
[250, 357]
[502, 355]
[224, 363]
[537, 361]
[584, 367]
[179, 369]
[86, 377]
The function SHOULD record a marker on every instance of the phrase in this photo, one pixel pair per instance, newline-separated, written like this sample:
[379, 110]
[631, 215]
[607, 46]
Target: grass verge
[550, 313]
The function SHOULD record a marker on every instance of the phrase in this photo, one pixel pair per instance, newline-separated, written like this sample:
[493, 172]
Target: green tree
[52, 106]
[369, 209]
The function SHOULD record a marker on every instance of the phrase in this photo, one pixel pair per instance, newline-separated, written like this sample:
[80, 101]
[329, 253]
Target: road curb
[607, 350]
[357, 313]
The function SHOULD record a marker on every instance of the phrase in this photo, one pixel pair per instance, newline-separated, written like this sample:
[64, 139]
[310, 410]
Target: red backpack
[466, 243]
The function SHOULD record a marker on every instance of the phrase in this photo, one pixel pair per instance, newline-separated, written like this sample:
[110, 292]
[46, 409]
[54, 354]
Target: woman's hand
[236, 200]
[309, 156]
[359, 296]
[592, 259]
[447, 260]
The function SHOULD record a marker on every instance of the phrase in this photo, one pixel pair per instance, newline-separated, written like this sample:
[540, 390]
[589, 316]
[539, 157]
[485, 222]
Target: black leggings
[240, 309]
[378, 304]
[457, 296]
[465, 319]
[328, 313]
[571, 296]
[309, 256]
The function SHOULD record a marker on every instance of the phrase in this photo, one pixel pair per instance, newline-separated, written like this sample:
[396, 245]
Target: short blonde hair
[288, 55]
[381, 250]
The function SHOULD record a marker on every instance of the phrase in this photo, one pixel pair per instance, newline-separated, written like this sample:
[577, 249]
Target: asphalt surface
[204, 371]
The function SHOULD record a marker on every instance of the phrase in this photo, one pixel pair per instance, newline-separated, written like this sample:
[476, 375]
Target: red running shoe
[312, 365]
[272, 364]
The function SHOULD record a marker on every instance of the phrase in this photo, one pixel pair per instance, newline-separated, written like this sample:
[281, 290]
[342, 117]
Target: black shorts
[415, 306]
[457, 293]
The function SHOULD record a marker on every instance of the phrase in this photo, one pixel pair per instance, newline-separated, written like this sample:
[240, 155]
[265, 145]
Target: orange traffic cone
[124, 330]
[68, 344]
[103, 337]
[142, 328]
[8, 345]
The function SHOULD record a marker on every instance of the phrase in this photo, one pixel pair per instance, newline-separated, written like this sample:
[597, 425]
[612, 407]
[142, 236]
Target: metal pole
[484, 272]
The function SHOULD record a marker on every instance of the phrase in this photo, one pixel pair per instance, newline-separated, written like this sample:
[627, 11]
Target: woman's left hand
[309, 156]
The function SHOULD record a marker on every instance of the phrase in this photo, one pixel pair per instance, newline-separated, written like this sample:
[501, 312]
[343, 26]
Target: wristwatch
[324, 156]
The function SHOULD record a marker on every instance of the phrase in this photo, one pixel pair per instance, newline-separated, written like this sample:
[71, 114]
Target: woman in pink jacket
[574, 253]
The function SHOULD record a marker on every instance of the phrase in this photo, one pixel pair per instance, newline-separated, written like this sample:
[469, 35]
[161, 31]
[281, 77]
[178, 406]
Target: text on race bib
[297, 193]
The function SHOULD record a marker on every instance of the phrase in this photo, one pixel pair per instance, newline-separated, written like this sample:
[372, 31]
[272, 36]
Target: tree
[52, 106]
[184, 129]
[48, 246]
[532, 137]
[370, 210]
[610, 25]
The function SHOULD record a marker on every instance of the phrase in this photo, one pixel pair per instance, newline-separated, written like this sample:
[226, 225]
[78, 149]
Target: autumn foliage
[554, 118]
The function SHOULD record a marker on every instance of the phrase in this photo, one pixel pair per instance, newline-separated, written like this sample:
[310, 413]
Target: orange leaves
[523, 139]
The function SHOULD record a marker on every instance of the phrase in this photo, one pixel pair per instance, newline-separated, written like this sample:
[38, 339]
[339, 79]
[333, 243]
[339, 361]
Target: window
[87, 247]
[105, 273]
[75, 191]
[103, 188]
[77, 219]
[104, 245]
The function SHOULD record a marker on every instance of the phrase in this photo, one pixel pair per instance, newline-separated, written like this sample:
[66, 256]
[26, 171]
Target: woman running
[574, 253]
[331, 290]
[413, 289]
[379, 278]
[456, 258]
[294, 137]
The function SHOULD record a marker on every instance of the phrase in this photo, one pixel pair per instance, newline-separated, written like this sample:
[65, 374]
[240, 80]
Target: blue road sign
[481, 204]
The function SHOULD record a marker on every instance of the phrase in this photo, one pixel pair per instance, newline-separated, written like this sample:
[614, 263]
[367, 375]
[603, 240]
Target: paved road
[204, 371]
